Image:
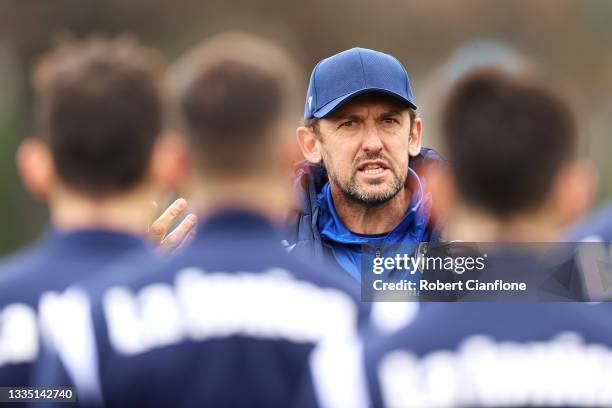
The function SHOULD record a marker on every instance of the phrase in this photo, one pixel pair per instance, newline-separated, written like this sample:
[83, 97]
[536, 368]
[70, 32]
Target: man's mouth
[372, 168]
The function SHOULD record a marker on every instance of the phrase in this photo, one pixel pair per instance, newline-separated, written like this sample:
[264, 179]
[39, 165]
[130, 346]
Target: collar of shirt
[237, 221]
[95, 239]
[60, 258]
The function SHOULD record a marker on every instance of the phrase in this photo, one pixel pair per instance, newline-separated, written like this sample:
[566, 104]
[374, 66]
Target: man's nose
[372, 141]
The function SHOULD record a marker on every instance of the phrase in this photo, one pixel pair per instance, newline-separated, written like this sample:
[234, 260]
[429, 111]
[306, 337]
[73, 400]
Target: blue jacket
[305, 239]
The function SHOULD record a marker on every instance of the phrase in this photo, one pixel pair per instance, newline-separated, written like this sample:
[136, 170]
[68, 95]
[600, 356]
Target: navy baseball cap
[337, 79]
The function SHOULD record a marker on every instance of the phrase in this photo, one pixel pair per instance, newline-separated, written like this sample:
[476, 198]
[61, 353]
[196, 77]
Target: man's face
[365, 147]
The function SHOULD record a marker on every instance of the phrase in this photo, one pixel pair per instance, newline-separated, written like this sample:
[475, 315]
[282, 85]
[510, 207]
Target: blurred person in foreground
[98, 160]
[524, 180]
[363, 180]
[232, 320]
[503, 187]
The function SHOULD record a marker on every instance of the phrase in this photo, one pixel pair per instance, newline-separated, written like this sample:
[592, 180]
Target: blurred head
[233, 96]
[98, 115]
[513, 147]
[360, 123]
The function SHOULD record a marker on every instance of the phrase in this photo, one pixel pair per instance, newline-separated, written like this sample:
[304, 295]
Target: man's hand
[169, 241]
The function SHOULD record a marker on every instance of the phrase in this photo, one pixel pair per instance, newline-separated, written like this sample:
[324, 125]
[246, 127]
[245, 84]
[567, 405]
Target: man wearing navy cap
[362, 182]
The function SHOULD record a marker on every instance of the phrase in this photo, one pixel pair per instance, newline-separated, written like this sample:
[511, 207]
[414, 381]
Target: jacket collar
[333, 229]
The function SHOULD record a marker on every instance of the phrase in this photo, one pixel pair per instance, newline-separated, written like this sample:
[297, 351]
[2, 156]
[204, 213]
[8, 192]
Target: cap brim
[334, 104]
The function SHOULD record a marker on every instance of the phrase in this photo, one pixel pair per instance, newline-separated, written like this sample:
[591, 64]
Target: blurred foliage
[570, 38]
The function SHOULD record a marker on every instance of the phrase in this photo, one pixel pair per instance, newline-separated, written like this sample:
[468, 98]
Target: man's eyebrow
[345, 116]
[391, 112]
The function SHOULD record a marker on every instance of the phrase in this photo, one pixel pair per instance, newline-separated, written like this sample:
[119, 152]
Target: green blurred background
[435, 39]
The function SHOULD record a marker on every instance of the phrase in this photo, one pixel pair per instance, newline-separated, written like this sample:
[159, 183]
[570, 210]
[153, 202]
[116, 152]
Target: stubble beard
[353, 192]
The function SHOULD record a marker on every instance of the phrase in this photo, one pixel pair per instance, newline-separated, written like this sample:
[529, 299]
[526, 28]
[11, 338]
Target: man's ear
[573, 191]
[309, 144]
[169, 162]
[35, 166]
[414, 141]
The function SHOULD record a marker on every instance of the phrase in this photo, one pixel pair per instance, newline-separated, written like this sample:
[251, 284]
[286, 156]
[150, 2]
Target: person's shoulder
[18, 271]
[17, 263]
[426, 161]
[596, 226]
[26, 257]
[131, 270]
[324, 273]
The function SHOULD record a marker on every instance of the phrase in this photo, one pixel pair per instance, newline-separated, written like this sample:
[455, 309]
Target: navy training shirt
[494, 354]
[233, 320]
[56, 261]
[498, 353]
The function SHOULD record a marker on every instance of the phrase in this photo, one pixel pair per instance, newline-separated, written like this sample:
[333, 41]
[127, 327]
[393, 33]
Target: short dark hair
[98, 106]
[229, 92]
[507, 136]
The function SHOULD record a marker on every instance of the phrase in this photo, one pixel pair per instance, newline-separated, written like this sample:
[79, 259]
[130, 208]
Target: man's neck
[363, 219]
[130, 212]
[476, 226]
[266, 195]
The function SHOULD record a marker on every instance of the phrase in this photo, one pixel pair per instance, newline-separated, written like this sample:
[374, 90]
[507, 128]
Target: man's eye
[390, 121]
[348, 123]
